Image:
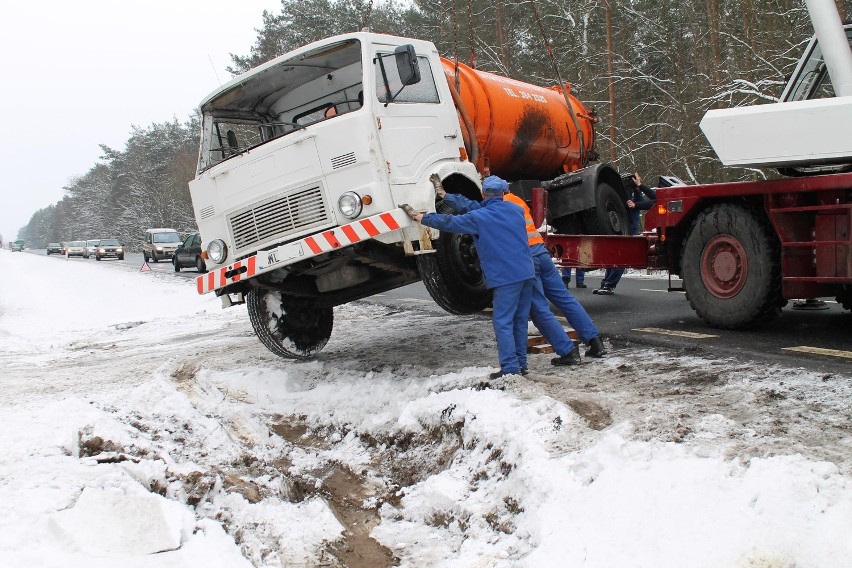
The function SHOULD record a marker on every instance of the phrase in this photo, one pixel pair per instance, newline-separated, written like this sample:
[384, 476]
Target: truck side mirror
[406, 64]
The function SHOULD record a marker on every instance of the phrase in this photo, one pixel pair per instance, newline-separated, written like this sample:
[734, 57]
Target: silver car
[91, 247]
[76, 248]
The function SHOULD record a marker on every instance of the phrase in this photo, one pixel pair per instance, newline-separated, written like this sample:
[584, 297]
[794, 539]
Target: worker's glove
[409, 210]
[439, 187]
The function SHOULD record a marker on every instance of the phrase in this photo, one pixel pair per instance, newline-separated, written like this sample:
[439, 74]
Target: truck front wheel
[452, 275]
[731, 268]
[288, 328]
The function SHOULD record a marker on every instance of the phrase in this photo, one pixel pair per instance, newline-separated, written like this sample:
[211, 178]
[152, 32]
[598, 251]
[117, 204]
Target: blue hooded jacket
[500, 233]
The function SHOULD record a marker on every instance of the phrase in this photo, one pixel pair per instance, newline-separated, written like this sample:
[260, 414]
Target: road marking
[820, 351]
[660, 331]
[650, 290]
[416, 300]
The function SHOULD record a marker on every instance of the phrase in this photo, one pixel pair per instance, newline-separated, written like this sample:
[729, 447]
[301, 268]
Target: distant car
[160, 244]
[54, 248]
[90, 248]
[109, 248]
[188, 255]
[75, 248]
[18, 246]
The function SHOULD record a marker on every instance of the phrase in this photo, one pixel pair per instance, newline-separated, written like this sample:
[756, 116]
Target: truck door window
[812, 81]
[421, 92]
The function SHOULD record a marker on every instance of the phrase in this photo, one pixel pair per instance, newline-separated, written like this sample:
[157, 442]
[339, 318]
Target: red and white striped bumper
[327, 241]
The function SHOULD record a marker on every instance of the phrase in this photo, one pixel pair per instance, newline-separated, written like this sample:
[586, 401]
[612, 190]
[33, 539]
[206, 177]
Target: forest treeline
[649, 68]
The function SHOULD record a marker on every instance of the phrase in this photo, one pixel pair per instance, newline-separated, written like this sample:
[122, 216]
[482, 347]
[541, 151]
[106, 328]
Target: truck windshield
[812, 80]
[273, 101]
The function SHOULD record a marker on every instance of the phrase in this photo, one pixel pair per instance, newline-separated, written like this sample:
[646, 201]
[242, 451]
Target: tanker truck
[304, 160]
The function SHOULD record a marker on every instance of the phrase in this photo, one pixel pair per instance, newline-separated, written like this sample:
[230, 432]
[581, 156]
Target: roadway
[643, 313]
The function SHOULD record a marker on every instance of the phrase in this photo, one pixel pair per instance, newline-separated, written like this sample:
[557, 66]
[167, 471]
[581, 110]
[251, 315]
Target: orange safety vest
[532, 232]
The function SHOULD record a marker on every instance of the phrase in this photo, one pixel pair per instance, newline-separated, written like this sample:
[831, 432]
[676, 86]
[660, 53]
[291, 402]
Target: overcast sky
[77, 74]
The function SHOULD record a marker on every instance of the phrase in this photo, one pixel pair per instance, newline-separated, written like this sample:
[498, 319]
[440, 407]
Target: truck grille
[278, 217]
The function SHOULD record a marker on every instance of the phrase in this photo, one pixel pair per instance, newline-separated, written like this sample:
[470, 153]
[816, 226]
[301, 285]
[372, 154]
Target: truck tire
[845, 299]
[452, 275]
[287, 327]
[609, 217]
[731, 268]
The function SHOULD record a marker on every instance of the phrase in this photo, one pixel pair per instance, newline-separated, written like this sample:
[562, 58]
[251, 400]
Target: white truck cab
[302, 165]
[809, 125]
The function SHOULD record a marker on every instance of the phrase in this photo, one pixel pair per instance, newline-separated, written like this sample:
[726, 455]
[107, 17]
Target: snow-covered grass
[143, 426]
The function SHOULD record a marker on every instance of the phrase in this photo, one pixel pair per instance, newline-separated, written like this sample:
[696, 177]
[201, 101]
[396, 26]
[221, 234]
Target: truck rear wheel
[609, 217]
[731, 268]
[288, 328]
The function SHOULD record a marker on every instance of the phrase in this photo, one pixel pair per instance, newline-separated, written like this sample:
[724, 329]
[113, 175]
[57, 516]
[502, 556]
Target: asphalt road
[643, 313]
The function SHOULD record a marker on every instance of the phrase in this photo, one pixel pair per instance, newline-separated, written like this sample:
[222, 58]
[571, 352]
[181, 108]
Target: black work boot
[596, 348]
[570, 358]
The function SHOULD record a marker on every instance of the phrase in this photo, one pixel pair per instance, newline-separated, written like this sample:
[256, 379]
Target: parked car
[109, 248]
[54, 248]
[90, 248]
[75, 248]
[160, 244]
[18, 246]
[188, 255]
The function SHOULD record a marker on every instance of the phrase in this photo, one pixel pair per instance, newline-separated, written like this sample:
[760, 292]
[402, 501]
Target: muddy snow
[142, 425]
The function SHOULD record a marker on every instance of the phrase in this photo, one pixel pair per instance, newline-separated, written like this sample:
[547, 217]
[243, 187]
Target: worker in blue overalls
[499, 232]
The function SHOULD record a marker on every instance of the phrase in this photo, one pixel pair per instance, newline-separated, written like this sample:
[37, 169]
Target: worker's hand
[638, 179]
[631, 204]
[409, 210]
[439, 187]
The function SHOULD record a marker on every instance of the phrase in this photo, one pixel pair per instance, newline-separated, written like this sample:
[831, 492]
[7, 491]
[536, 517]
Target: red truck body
[794, 235]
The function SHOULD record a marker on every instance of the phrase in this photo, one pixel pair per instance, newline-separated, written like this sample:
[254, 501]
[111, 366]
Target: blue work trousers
[511, 312]
[612, 277]
[554, 290]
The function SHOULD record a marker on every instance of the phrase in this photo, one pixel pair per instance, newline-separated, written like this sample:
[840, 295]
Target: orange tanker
[523, 131]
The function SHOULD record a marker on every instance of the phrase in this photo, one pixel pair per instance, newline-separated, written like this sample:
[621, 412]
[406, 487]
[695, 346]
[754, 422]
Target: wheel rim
[614, 220]
[465, 257]
[724, 266]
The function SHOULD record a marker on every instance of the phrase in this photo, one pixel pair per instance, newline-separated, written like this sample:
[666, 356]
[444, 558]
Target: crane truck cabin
[305, 158]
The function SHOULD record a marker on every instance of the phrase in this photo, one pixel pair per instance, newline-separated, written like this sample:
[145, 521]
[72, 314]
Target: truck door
[416, 128]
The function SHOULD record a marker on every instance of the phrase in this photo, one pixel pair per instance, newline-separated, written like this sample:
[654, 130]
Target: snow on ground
[141, 425]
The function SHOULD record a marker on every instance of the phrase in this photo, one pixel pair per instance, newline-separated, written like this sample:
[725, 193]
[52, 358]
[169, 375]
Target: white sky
[79, 74]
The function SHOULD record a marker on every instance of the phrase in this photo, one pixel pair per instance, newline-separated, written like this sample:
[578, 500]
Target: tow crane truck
[744, 249]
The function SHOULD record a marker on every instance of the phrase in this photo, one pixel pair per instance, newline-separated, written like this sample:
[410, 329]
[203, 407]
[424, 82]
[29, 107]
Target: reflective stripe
[533, 236]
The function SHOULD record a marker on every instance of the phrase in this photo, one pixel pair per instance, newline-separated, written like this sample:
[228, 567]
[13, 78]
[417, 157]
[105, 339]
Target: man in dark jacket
[499, 232]
[641, 199]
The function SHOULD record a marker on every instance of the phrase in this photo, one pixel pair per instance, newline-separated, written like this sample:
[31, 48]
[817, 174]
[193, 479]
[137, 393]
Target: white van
[160, 244]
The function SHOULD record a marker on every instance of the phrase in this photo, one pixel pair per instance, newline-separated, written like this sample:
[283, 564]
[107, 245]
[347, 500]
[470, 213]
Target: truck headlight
[350, 204]
[217, 251]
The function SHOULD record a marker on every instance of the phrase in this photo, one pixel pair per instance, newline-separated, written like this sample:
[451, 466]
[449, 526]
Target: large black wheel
[845, 298]
[731, 266]
[452, 274]
[288, 328]
[609, 217]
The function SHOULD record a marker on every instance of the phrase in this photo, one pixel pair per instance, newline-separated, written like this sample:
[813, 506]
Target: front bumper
[314, 245]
